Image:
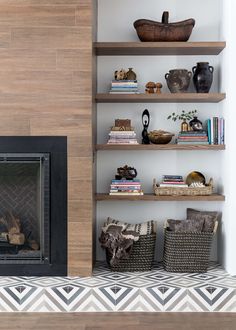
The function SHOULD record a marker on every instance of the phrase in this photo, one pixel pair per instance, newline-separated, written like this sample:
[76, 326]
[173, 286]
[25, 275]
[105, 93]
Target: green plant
[184, 116]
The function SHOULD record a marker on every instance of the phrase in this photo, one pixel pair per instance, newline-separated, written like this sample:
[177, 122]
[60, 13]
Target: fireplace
[33, 206]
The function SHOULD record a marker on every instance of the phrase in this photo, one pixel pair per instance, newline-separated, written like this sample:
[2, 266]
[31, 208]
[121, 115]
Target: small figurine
[150, 87]
[120, 74]
[158, 87]
[146, 123]
[126, 173]
[131, 75]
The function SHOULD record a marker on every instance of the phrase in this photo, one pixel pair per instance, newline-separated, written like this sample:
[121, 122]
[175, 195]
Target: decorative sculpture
[146, 122]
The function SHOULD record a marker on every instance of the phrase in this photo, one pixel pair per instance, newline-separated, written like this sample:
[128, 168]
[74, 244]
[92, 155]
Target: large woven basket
[141, 257]
[178, 191]
[187, 252]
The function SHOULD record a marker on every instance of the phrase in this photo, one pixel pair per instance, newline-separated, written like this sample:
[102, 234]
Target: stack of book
[193, 137]
[122, 133]
[124, 87]
[126, 188]
[173, 181]
[216, 130]
[122, 137]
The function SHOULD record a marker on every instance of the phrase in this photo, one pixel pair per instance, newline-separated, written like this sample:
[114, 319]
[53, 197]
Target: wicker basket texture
[187, 252]
[141, 258]
[178, 191]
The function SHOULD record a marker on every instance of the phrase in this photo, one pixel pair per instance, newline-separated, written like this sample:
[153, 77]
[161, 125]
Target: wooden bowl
[160, 137]
[152, 31]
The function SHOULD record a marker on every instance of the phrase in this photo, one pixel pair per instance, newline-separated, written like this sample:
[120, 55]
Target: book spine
[126, 181]
[212, 131]
[172, 177]
[222, 131]
[209, 130]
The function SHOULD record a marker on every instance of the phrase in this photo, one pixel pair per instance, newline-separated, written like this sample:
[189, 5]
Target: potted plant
[184, 117]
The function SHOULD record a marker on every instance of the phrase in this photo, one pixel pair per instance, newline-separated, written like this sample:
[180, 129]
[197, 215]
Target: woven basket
[141, 257]
[187, 252]
[178, 191]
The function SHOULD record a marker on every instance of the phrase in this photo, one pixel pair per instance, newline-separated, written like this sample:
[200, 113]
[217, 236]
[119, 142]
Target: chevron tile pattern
[153, 291]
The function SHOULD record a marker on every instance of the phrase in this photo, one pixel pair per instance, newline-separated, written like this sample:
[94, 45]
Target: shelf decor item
[158, 87]
[205, 190]
[122, 133]
[131, 75]
[193, 138]
[146, 122]
[126, 173]
[129, 248]
[150, 87]
[184, 117]
[178, 80]
[203, 77]
[152, 31]
[160, 137]
[195, 177]
[195, 124]
[187, 252]
[216, 130]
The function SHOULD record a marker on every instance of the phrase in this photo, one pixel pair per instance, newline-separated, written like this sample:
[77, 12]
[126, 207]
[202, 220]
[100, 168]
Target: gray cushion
[187, 226]
[209, 217]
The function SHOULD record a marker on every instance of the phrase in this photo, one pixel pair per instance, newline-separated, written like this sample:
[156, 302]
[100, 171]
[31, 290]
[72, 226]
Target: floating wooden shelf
[152, 197]
[158, 48]
[147, 147]
[161, 98]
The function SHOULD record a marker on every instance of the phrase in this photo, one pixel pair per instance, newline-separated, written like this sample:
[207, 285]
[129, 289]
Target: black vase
[203, 77]
[196, 124]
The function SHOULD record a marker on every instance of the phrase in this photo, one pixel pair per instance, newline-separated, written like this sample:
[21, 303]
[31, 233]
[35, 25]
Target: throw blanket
[118, 237]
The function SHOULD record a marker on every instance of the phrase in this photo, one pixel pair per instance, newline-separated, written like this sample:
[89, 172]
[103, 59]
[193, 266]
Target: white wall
[228, 74]
[115, 23]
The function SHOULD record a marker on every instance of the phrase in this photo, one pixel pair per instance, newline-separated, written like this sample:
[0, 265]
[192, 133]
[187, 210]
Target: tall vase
[203, 77]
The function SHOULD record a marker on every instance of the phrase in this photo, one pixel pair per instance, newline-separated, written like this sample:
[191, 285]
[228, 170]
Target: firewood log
[16, 239]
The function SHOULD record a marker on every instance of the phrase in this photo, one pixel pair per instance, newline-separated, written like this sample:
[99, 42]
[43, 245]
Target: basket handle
[165, 17]
[154, 183]
[215, 228]
[210, 182]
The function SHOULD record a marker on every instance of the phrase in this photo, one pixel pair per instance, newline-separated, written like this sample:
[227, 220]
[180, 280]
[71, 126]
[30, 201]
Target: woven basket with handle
[179, 191]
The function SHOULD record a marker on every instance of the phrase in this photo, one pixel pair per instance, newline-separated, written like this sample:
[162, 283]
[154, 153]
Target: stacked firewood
[13, 226]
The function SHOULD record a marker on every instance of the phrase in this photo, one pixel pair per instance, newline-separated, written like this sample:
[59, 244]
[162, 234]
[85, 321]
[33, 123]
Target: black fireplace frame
[56, 146]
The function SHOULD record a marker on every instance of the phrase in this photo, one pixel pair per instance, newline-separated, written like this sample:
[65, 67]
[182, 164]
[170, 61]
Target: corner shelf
[147, 147]
[161, 98]
[154, 198]
[158, 48]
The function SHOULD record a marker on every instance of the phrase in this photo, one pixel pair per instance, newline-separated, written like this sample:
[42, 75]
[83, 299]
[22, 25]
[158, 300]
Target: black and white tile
[106, 291]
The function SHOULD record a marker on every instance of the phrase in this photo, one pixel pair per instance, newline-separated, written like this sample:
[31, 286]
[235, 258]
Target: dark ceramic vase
[203, 77]
[178, 80]
[196, 124]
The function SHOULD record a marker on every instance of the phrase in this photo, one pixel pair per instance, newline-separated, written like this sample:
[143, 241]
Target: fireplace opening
[24, 208]
[33, 206]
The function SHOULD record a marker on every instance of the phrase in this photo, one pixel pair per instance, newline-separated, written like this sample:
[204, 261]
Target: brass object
[184, 126]
[194, 177]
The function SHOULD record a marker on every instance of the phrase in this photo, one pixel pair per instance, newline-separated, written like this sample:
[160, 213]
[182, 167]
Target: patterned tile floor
[154, 291]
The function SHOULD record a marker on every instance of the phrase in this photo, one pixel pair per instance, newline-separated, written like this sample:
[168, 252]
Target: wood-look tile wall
[46, 89]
